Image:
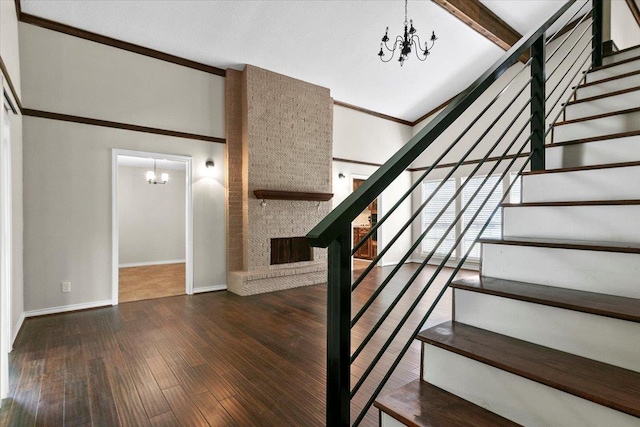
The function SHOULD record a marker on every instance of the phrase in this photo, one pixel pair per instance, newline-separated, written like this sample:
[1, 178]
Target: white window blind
[514, 196]
[431, 211]
[494, 229]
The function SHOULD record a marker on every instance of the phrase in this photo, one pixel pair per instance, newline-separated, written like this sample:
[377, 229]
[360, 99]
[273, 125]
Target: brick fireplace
[279, 138]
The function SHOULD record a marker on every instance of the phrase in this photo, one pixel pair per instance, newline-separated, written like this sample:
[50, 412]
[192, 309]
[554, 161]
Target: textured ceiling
[329, 43]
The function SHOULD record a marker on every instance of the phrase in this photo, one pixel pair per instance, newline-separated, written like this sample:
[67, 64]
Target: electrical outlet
[66, 286]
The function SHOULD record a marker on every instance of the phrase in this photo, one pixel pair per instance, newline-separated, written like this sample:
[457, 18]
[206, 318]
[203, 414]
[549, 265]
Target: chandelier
[406, 42]
[152, 176]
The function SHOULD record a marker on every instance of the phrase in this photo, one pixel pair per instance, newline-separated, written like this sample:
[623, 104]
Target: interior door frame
[353, 177]
[6, 241]
[115, 153]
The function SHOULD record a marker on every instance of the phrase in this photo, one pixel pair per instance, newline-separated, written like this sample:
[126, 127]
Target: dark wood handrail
[333, 224]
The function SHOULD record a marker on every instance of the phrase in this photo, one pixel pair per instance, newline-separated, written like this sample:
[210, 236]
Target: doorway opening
[152, 226]
[361, 227]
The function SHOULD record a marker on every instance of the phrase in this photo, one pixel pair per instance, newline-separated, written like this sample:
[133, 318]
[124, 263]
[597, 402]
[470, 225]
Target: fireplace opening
[290, 249]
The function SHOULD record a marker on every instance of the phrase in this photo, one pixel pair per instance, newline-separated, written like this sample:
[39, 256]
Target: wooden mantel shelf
[292, 195]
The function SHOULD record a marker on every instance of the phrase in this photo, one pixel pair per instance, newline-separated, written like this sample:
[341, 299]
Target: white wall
[89, 79]
[67, 175]
[359, 136]
[10, 57]
[625, 31]
[151, 218]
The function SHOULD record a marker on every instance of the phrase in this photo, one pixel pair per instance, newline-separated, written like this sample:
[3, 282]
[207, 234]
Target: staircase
[549, 334]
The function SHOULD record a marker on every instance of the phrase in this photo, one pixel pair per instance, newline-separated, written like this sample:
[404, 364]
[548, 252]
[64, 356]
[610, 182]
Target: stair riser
[620, 223]
[597, 127]
[612, 341]
[608, 87]
[609, 104]
[627, 54]
[595, 184]
[593, 153]
[613, 273]
[387, 420]
[516, 398]
[613, 71]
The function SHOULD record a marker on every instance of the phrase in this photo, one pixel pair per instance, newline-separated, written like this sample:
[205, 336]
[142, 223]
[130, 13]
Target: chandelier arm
[395, 45]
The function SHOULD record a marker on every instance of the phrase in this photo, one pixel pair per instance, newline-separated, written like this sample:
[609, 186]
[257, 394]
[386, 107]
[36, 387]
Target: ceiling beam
[481, 19]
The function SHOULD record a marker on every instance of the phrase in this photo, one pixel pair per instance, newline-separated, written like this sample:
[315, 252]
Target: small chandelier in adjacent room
[407, 42]
[152, 176]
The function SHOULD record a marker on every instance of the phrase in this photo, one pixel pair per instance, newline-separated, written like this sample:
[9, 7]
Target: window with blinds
[494, 229]
[432, 210]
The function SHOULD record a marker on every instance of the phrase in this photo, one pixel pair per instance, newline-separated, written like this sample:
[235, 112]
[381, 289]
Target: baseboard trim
[66, 308]
[16, 329]
[213, 288]
[145, 264]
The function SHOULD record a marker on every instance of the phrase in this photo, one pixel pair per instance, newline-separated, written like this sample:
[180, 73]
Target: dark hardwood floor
[210, 359]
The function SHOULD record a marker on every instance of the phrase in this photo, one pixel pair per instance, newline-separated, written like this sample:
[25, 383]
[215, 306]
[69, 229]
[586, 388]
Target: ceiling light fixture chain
[406, 42]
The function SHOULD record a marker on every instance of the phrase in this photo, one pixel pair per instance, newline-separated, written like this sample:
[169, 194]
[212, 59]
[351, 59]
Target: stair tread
[584, 168]
[579, 203]
[607, 385]
[595, 138]
[614, 64]
[608, 79]
[621, 51]
[586, 302]
[598, 116]
[422, 404]
[604, 95]
[587, 245]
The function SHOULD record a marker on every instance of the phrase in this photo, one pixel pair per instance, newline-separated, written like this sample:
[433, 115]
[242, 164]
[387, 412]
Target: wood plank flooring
[213, 359]
[152, 281]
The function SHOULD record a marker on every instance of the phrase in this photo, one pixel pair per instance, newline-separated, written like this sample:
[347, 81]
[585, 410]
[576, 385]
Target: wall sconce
[341, 175]
[209, 164]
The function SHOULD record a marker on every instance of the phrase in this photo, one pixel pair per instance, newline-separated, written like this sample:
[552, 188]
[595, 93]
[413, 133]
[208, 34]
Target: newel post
[339, 330]
[596, 42]
[538, 95]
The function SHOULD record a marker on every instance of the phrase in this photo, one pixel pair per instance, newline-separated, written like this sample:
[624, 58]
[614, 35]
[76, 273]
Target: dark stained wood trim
[18, 9]
[557, 244]
[482, 20]
[125, 126]
[571, 299]
[633, 7]
[608, 79]
[373, 113]
[119, 44]
[12, 88]
[583, 168]
[595, 138]
[292, 195]
[580, 203]
[598, 116]
[356, 162]
[470, 162]
[571, 25]
[599, 382]
[605, 95]
[10, 103]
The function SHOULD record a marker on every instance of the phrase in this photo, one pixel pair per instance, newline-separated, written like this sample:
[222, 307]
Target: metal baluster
[538, 96]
